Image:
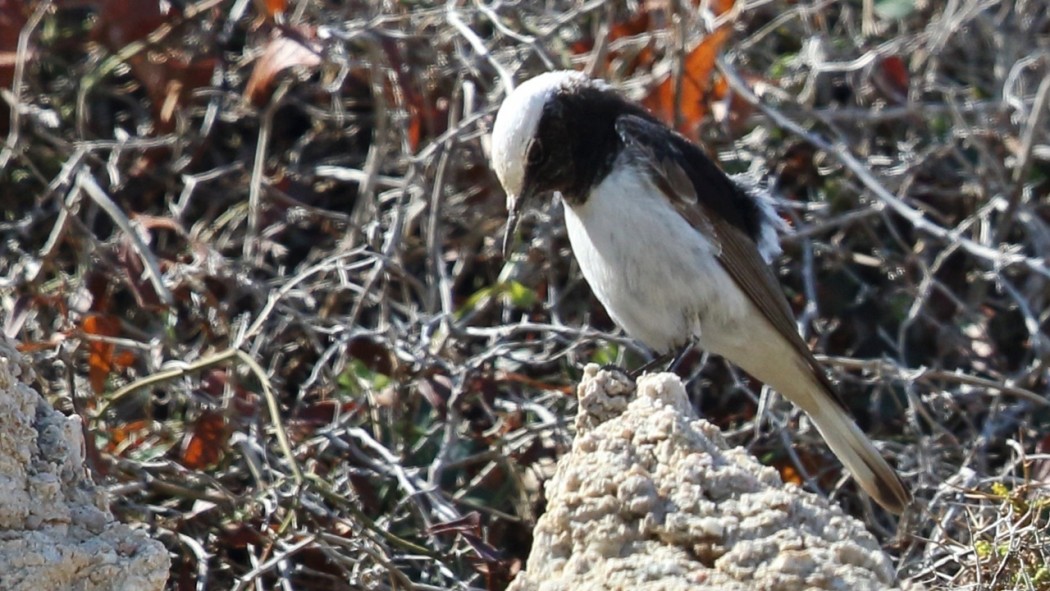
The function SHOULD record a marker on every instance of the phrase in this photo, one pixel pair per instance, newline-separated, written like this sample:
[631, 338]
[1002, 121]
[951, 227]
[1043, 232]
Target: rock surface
[651, 498]
[55, 530]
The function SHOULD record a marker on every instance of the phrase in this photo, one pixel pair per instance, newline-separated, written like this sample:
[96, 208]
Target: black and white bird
[673, 248]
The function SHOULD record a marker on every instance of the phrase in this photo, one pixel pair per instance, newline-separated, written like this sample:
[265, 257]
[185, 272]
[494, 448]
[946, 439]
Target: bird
[674, 249]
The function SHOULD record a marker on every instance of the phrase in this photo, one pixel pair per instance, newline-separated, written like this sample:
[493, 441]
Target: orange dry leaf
[423, 113]
[204, 445]
[816, 466]
[271, 8]
[102, 357]
[696, 87]
[127, 435]
[635, 25]
[789, 474]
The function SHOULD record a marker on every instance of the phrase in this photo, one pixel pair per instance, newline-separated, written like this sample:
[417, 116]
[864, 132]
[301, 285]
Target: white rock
[56, 532]
[650, 497]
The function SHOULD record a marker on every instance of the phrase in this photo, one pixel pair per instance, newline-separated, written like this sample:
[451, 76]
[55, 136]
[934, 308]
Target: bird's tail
[796, 375]
[784, 362]
[860, 457]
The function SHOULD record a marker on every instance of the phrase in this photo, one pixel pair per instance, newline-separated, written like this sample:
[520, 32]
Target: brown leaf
[101, 358]
[308, 417]
[281, 53]
[240, 535]
[244, 402]
[205, 444]
[633, 26]
[121, 22]
[12, 19]
[696, 87]
[891, 78]
[423, 114]
[535, 384]
[271, 8]
[168, 76]
[126, 435]
[374, 353]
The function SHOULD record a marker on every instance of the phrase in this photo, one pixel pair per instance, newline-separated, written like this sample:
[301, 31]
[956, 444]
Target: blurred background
[255, 246]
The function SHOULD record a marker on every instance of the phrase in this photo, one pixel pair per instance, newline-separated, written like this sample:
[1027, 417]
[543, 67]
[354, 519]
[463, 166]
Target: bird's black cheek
[546, 179]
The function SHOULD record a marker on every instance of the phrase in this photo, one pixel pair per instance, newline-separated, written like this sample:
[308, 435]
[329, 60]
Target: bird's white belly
[657, 276]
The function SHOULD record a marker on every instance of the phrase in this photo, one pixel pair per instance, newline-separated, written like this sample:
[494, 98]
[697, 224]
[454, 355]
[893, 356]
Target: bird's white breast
[658, 277]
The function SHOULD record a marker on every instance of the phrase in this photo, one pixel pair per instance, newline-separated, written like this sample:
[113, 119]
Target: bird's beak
[513, 215]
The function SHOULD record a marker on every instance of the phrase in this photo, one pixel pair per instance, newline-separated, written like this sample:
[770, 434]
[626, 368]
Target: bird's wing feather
[653, 144]
[700, 192]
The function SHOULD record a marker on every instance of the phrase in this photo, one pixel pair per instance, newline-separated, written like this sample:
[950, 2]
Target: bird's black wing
[705, 196]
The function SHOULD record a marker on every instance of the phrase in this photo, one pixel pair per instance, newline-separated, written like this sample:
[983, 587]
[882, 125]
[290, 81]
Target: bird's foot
[649, 365]
[672, 359]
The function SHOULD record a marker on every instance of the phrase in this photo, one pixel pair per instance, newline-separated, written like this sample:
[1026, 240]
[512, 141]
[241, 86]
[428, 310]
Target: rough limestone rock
[651, 498]
[55, 530]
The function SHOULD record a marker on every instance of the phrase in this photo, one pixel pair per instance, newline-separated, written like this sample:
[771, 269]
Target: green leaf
[517, 294]
[607, 354]
[520, 296]
[476, 299]
[358, 378]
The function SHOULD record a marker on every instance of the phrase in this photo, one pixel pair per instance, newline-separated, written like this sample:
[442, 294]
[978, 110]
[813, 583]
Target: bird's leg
[686, 348]
[658, 360]
[675, 358]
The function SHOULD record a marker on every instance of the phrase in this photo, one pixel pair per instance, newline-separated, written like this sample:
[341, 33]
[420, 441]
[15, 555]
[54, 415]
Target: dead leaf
[281, 53]
[12, 20]
[696, 87]
[101, 355]
[121, 22]
[126, 435]
[168, 74]
[467, 523]
[205, 444]
[789, 474]
[633, 26]
[425, 114]
[272, 9]
[684, 108]
[891, 78]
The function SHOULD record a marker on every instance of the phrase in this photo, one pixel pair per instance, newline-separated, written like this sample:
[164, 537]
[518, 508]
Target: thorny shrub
[255, 246]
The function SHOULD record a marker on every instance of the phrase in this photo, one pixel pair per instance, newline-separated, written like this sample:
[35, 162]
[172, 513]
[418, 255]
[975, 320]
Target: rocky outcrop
[652, 498]
[55, 530]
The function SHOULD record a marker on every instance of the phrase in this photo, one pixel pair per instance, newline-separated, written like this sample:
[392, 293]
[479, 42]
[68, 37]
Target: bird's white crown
[516, 124]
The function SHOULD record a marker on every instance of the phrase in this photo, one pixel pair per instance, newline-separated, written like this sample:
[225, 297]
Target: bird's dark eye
[535, 154]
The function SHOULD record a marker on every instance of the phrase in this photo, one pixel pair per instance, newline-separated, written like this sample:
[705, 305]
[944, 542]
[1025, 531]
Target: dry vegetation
[257, 252]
